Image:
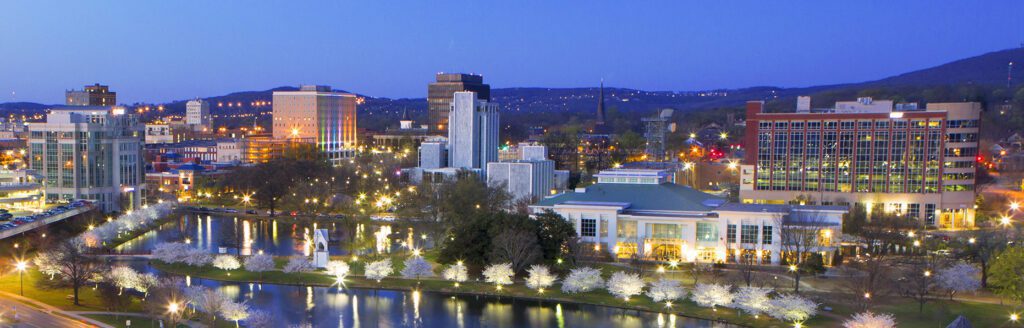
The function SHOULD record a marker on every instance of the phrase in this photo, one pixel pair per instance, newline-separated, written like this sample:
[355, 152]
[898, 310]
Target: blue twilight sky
[157, 51]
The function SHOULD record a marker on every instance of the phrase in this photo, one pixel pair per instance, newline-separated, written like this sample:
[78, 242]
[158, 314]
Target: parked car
[253, 212]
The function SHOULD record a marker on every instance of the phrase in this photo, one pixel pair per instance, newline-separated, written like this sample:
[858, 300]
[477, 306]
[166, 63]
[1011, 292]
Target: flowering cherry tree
[499, 274]
[540, 277]
[456, 272]
[226, 262]
[666, 290]
[379, 270]
[234, 311]
[753, 300]
[298, 263]
[259, 263]
[416, 267]
[338, 269]
[259, 319]
[712, 295]
[582, 280]
[47, 264]
[623, 285]
[792, 307]
[959, 278]
[870, 320]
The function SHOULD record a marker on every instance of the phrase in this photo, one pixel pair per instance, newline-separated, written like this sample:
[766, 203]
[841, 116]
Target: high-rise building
[529, 177]
[197, 115]
[473, 134]
[91, 95]
[90, 152]
[888, 158]
[441, 93]
[317, 115]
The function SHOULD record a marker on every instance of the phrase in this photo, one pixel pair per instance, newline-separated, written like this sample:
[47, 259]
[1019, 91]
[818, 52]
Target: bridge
[4, 234]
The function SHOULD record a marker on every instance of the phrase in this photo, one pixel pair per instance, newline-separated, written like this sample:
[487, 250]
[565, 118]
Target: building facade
[898, 159]
[91, 95]
[22, 190]
[441, 92]
[317, 114]
[473, 133]
[640, 213]
[89, 152]
[158, 133]
[197, 115]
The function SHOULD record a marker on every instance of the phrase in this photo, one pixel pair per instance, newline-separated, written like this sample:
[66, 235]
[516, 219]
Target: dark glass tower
[441, 92]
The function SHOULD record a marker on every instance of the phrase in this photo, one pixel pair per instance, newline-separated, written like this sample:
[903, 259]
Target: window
[730, 233]
[626, 229]
[667, 231]
[749, 234]
[707, 231]
[588, 227]
[766, 235]
[929, 214]
[914, 210]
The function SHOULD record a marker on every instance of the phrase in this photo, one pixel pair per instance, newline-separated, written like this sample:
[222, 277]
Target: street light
[21, 266]
[172, 308]
[1004, 220]
[1014, 317]
[1014, 206]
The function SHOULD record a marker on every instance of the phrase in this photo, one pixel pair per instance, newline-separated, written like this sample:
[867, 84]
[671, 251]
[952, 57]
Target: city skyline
[219, 48]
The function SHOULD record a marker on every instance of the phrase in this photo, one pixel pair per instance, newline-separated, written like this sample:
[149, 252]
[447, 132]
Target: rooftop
[640, 197]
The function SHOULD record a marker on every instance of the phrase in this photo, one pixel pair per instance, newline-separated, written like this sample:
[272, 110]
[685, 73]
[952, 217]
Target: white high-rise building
[90, 152]
[473, 132]
[197, 115]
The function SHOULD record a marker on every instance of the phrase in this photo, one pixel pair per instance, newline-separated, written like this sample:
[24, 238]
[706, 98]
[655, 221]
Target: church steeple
[600, 104]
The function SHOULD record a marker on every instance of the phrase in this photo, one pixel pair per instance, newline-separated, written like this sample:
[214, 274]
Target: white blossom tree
[870, 320]
[123, 277]
[582, 280]
[338, 269]
[234, 311]
[666, 290]
[416, 267]
[792, 307]
[456, 272]
[753, 300]
[226, 262]
[259, 319]
[623, 285]
[259, 263]
[208, 300]
[378, 270]
[499, 274]
[712, 295]
[298, 263]
[959, 278]
[540, 277]
[46, 264]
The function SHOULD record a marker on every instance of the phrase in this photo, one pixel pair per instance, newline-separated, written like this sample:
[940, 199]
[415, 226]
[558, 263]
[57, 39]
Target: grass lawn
[35, 288]
[120, 321]
[937, 313]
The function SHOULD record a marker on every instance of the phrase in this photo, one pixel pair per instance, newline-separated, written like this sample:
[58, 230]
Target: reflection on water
[280, 237]
[328, 307]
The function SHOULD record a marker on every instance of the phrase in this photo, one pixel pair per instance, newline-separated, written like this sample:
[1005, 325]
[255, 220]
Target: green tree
[1007, 273]
[553, 233]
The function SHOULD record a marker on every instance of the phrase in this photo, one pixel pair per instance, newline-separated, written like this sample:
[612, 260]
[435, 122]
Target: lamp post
[21, 266]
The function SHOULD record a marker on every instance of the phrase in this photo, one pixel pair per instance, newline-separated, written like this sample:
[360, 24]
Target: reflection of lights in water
[307, 248]
[558, 316]
[231, 290]
[409, 238]
[672, 320]
[661, 320]
[209, 231]
[309, 298]
[355, 311]
[416, 305]
[199, 230]
[246, 238]
[188, 281]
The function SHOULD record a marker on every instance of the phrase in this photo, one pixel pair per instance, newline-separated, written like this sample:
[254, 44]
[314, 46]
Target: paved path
[192, 324]
[32, 313]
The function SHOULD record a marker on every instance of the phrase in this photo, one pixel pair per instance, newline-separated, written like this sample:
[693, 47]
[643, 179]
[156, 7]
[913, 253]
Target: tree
[416, 267]
[981, 247]
[870, 320]
[234, 311]
[753, 300]
[792, 307]
[259, 319]
[72, 264]
[167, 295]
[799, 237]
[712, 295]
[338, 269]
[540, 277]
[553, 234]
[499, 274]
[378, 270]
[1008, 273]
[698, 269]
[623, 285]
[469, 242]
[456, 272]
[918, 280]
[259, 263]
[113, 298]
[298, 263]
[666, 290]
[582, 280]
[226, 262]
[208, 300]
[959, 278]
[517, 247]
[123, 277]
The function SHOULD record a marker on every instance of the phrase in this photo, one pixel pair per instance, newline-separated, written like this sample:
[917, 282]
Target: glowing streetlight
[21, 266]
[1014, 206]
[792, 268]
[1004, 220]
[1014, 317]
[172, 308]
[867, 296]
[723, 136]
[972, 240]
[927, 273]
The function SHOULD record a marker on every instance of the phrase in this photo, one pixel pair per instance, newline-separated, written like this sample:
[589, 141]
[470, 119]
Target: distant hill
[987, 69]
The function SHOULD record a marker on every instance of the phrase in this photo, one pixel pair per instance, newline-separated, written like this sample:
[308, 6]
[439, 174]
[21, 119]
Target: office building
[22, 190]
[473, 133]
[441, 92]
[890, 158]
[529, 177]
[90, 152]
[197, 115]
[631, 213]
[91, 95]
[317, 115]
[158, 133]
[433, 154]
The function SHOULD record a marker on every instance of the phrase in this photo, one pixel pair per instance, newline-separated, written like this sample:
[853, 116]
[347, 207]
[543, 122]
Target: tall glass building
[441, 93]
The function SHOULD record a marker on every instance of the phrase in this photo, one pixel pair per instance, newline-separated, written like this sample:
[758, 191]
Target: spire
[600, 104]
[405, 114]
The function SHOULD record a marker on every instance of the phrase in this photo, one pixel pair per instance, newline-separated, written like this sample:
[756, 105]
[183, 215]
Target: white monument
[320, 253]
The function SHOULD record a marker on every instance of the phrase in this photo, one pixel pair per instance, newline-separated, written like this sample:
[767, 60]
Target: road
[29, 316]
